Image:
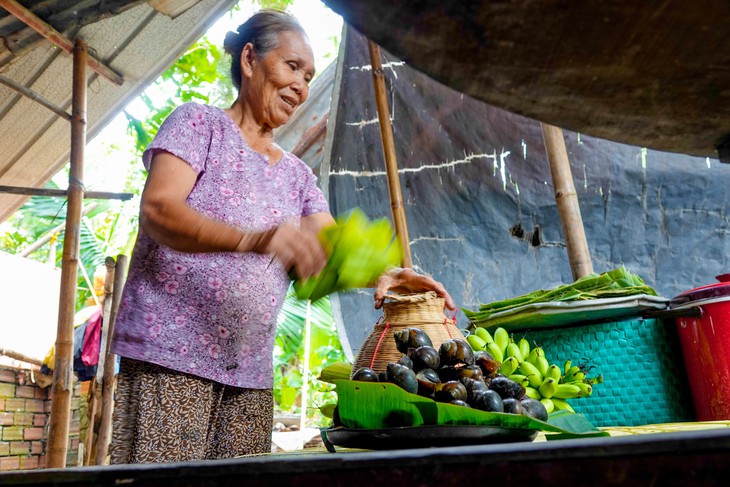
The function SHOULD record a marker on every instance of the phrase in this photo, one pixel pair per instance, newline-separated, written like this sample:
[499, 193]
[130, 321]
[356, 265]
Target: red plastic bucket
[705, 342]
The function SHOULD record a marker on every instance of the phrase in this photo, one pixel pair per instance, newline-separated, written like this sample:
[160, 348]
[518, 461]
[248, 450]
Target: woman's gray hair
[262, 30]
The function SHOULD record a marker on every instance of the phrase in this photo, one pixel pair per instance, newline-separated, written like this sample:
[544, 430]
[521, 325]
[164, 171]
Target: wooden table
[681, 458]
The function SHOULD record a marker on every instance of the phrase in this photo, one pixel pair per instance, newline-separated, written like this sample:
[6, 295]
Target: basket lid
[411, 298]
[414, 308]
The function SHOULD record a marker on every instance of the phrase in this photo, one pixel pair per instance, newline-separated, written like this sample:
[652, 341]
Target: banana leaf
[377, 405]
[615, 283]
[358, 251]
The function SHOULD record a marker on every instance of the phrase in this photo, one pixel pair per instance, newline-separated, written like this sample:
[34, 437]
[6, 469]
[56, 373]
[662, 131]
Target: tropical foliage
[199, 75]
[289, 367]
[106, 230]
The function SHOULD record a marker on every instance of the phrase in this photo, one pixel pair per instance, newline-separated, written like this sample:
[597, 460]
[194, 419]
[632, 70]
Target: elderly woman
[197, 319]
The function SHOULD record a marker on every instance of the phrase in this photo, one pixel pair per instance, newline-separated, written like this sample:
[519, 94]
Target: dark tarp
[479, 200]
[653, 74]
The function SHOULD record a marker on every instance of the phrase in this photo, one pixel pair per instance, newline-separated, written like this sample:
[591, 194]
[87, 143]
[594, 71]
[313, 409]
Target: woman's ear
[247, 60]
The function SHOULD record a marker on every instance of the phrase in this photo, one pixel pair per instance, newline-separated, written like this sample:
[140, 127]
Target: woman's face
[277, 83]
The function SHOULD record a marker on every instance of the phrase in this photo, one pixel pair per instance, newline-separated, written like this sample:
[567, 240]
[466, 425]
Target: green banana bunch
[533, 393]
[548, 383]
[548, 403]
[576, 374]
[567, 391]
[524, 347]
[497, 353]
[553, 372]
[484, 335]
[533, 374]
[521, 379]
[548, 388]
[561, 405]
[476, 343]
[501, 338]
[513, 350]
[509, 366]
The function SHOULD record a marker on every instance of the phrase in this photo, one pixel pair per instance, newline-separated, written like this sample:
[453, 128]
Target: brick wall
[24, 411]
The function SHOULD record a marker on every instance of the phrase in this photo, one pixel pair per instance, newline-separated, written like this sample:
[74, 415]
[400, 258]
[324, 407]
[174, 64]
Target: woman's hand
[296, 249]
[408, 280]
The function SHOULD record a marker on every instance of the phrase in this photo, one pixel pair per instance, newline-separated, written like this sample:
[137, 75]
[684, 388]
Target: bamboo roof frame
[58, 39]
[62, 42]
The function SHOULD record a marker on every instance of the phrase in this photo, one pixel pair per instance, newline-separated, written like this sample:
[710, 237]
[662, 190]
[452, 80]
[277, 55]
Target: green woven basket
[644, 379]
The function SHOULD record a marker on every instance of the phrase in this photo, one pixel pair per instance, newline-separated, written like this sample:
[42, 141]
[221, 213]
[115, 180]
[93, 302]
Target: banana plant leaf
[377, 405]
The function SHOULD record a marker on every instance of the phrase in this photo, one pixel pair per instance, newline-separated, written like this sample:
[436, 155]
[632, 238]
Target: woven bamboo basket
[422, 310]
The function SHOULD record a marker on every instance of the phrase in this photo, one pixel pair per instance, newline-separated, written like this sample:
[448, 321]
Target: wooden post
[63, 371]
[20, 357]
[567, 201]
[110, 360]
[95, 397]
[109, 279]
[391, 164]
[92, 414]
[304, 408]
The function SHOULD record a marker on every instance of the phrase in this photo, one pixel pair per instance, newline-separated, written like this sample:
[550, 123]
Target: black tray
[422, 436]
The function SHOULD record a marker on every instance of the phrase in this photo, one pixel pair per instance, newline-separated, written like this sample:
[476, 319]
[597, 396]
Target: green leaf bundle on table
[613, 284]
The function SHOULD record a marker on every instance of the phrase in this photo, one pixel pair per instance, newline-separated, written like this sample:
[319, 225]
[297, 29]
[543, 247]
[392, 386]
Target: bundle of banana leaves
[358, 251]
[616, 283]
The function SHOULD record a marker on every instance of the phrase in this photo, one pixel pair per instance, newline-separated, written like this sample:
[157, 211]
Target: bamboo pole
[35, 97]
[92, 414]
[567, 200]
[110, 360]
[96, 390]
[111, 266]
[63, 193]
[391, 164]
[56, 38]
[20, 357]
[62, 373]
[305, 373]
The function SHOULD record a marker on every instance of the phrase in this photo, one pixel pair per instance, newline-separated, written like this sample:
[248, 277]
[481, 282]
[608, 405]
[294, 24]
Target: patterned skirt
[161, 415]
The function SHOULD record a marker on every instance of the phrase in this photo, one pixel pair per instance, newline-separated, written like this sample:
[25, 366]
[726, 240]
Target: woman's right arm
[166, 217]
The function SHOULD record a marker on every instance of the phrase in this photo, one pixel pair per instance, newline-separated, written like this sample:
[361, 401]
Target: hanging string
[449, 321]
[74, 181]
[380, 339]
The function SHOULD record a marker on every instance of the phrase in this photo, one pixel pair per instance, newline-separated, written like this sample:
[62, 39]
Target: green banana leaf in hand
[358, 251]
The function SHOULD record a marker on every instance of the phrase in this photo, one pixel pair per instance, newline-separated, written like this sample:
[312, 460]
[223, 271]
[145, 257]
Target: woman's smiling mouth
[289, 101]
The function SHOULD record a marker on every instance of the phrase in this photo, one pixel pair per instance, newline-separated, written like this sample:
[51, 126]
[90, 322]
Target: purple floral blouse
[213, 315]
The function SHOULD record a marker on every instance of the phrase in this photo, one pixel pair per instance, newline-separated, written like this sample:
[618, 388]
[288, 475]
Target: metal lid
[711, 291]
